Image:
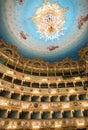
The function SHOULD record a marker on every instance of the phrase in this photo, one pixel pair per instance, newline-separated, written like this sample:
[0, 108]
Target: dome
[49, 29]
[44, 64]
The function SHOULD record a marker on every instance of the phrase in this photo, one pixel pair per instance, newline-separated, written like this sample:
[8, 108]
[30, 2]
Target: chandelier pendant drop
[49, 20]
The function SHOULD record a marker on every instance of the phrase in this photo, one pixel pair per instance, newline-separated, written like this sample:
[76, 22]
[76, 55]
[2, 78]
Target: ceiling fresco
[49, 29]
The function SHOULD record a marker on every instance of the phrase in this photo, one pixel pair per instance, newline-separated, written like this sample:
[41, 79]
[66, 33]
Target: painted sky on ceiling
[16, 28]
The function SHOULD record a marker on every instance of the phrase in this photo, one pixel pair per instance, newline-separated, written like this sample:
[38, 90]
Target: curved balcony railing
[10, 57]
[39, 81]
[37, 124]
[10, 104]
[4, 85]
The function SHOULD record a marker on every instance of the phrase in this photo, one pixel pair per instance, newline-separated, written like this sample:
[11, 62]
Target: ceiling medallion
[49, 20]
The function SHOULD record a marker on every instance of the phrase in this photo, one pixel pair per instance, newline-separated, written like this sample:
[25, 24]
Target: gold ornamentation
[49, 20]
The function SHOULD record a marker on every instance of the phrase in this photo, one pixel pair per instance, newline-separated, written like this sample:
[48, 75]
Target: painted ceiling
[49, 29]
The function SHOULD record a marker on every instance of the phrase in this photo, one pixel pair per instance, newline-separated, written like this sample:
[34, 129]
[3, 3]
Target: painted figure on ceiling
[21, 2]
[23, 35]
[51, 48]
[82, 20]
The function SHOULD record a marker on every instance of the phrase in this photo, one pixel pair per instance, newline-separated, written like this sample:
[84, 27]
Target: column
[6, 115]
[10, 94]
[40, 115]
[82, 113]
[18, 115]
[67, 98]
[59, 98]
[71, 113]
[77, 97]
[51, 114]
